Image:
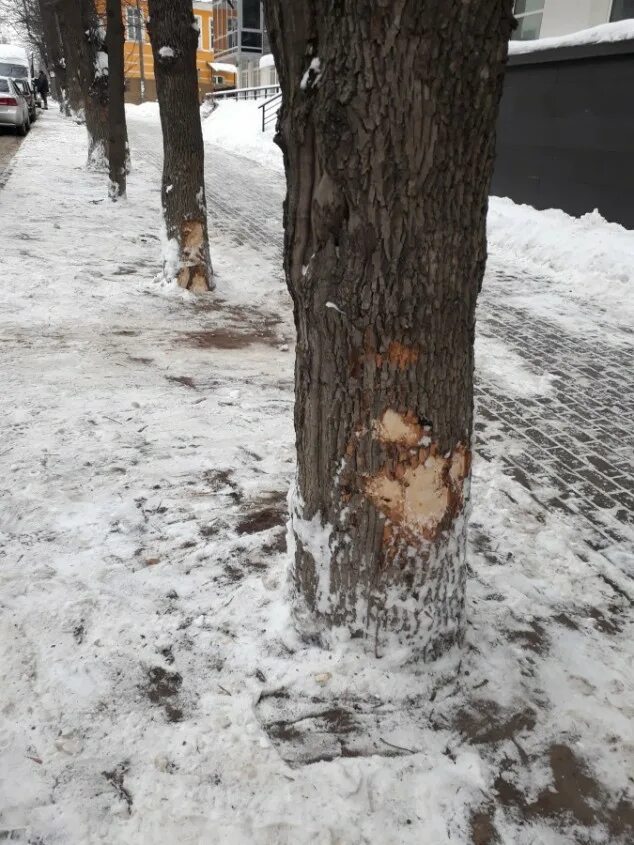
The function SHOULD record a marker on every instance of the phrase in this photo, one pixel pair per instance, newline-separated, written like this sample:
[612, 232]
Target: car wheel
[22, 129]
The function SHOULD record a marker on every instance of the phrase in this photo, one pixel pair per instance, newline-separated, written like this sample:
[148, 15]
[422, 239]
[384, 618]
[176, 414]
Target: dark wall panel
[566, 131]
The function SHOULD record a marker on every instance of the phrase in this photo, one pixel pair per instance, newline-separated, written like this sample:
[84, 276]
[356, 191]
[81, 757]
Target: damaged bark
[174, 43]
[387, 129]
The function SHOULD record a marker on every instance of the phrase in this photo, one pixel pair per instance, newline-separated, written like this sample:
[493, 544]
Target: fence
[565, 135]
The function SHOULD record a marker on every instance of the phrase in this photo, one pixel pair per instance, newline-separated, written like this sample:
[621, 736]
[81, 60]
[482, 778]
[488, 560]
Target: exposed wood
[174, 43]
[387, 128]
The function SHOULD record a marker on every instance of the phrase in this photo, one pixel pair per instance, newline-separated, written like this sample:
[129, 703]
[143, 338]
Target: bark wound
[192, 275]
[418, 489]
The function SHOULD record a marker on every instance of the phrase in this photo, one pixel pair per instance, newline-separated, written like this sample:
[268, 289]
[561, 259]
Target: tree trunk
[387, 128]
[95, 85]
[67, 20]
[174, 44]
[118, 135]
[54, 59]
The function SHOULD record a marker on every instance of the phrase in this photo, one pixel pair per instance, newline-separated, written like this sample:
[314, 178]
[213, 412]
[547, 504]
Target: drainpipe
[141, 57]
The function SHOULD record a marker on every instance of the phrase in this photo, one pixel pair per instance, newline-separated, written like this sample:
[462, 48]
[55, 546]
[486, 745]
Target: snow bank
[585, 256]
[237, 126]
[606, 32]
[144, 111]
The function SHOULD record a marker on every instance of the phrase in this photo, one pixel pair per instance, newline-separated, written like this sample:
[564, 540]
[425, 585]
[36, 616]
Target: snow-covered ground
[153, 691]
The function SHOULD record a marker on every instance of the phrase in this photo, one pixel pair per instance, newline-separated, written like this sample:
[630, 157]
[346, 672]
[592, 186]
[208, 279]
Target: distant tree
[387, 128]
[94, 57]
[52, 54]
[118, 135]
[85, 58]
[174, 38]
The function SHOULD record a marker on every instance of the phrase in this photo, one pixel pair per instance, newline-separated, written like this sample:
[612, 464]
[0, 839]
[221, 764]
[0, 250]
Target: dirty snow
[153, 689]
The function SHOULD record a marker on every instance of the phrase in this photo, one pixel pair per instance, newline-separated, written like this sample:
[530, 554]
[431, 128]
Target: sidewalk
[153, 689]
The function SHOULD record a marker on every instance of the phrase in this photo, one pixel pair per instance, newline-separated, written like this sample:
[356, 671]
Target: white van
[14, 62]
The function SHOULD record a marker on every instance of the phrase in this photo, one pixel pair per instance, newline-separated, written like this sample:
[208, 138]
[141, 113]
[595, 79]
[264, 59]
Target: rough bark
[67, 21]
[174, 44]
[54, 55]
[118, 135]
[95, 85]
[387, 129]
[83, 38]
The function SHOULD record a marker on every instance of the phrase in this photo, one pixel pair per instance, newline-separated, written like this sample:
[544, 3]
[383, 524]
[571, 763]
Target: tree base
[413, 611]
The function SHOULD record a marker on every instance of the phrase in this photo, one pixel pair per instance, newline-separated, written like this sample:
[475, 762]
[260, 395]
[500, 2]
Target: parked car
[28, 92]
[14, 109]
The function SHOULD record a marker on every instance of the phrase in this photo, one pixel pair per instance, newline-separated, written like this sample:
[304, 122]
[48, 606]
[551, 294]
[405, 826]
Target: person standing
[42, 86]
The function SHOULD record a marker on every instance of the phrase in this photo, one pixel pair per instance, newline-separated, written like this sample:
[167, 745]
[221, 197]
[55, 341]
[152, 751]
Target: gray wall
[566, 131]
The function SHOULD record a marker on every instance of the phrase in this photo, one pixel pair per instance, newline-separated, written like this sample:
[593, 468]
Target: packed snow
[605, 33]
[154, 690]
[224, 67]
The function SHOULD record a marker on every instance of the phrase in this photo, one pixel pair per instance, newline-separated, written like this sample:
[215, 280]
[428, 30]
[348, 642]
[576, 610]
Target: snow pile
[148, 111]
[236, 125]
[585, 257]
[603, 34]
[224, 67]
[267, 60]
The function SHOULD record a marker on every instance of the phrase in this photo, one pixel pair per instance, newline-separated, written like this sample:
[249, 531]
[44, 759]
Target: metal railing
[270, 109]
[246, 93]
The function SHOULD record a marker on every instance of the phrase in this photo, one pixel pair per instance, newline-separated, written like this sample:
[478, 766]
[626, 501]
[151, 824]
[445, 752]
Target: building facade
[546, 18]
[240, 31]
[139, 62]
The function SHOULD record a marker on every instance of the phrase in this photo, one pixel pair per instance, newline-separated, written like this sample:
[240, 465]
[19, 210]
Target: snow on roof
[223, 67]
[606, 32]
[267, 60]
[13, 52]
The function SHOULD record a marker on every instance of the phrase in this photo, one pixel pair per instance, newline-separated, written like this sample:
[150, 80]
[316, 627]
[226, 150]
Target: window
[134, 29]
[18, 71]
[199, 26]
[529, 15]
[219, 80]
[211, 33]
[4, 86]
[622, 9]
[251, 14]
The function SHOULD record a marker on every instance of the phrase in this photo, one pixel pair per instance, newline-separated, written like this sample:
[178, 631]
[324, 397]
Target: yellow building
[139, 64]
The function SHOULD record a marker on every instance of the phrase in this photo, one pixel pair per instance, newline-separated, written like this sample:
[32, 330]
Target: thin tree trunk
[141, 55]
[174, 44]
[387, 128]
[118, 135]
